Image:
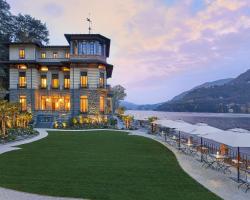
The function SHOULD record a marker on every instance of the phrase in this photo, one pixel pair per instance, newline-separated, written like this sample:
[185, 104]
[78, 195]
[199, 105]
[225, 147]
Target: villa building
[60, 82]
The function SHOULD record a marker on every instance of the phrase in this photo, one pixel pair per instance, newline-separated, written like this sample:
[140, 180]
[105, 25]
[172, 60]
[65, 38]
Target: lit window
[22, 80]
[84, 104]
[55, 103]
[23, 103]
[84, 80]
[55, 81]
[43, 55]
[43, 81]
[101, 80]
[43, 102]
[55, 54]
[66, 103]
[21, 53]
[67, 55]
[66, 81]
[101, 103]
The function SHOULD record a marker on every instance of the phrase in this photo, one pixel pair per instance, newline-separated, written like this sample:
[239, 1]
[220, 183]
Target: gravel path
[216, 182]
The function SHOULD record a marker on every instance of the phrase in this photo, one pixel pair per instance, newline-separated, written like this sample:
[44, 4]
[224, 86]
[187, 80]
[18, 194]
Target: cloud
[155, 41]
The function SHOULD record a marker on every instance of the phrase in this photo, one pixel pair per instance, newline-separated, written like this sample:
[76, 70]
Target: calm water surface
[220, 120]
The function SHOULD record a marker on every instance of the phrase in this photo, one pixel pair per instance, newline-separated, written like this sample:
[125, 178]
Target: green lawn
[97, 165]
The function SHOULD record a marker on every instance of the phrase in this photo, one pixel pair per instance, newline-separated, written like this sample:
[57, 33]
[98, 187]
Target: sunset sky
[159, 48]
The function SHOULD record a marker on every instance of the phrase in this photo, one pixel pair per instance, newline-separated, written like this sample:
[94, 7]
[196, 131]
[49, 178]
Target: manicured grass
[98, 165]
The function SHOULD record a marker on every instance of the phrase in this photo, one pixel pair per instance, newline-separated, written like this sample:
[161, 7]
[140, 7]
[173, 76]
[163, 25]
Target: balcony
[22, 86]
[87, 57]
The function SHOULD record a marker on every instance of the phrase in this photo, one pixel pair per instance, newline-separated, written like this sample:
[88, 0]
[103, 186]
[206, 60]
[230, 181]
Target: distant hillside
[131, 106]
[204, 85]
[227, 95]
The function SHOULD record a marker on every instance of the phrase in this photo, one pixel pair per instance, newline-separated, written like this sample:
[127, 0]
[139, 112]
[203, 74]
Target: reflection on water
[219, 120]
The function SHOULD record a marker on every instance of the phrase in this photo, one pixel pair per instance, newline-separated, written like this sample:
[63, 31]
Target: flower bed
[15, 134]
[87, 123]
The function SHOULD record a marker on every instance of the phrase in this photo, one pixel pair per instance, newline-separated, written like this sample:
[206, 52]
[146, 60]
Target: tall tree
[6, 30]
[29, 29]
[118, 95]
[6, 27]
[20, 28]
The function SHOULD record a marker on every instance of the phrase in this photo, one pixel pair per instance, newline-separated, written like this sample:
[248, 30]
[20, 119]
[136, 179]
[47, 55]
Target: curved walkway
[214, 181]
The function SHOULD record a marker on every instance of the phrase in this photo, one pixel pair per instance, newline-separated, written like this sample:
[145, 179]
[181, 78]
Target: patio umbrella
[231, 138]
[178, 125]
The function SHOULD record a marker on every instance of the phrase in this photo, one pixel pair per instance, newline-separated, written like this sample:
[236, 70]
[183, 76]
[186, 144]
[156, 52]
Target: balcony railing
[22, 86]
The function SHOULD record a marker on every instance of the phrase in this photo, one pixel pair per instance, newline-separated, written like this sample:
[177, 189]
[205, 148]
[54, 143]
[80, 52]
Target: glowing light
[44, 68]
[23, 67]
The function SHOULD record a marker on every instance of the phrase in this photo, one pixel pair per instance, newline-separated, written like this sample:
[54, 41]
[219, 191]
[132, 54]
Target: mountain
[131, 106]
[204, 85]
[227, 95]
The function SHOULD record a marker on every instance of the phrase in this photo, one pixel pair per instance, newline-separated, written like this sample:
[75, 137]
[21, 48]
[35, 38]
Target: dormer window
[21, 53]
[43, 55]
[55, 55]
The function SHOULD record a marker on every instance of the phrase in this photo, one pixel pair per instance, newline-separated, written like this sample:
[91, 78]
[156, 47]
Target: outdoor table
[235, 161]
[190, 148]
[174, 140]
[219, 164]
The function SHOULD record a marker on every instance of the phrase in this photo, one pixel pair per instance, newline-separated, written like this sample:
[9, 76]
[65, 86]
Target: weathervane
[90, 24]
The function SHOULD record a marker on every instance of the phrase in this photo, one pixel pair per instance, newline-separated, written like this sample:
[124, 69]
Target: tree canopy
[118, 95]
[17, 28]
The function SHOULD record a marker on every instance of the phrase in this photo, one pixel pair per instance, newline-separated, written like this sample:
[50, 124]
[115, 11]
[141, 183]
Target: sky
[159, 48]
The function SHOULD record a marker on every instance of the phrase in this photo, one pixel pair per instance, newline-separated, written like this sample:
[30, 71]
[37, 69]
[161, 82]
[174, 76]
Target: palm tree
[14, 110]
[4, 116]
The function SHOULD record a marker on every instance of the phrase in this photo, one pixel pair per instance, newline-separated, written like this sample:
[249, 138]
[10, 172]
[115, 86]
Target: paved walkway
[216, 182]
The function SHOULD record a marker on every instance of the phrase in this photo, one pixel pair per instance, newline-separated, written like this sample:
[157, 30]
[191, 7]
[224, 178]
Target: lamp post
[201, 149]
[238, 164]
[179, 141]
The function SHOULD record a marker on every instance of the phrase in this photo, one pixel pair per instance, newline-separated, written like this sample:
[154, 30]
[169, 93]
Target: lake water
[219, 120]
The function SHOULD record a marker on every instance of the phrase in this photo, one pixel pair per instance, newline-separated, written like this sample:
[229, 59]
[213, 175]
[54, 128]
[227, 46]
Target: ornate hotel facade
[60, 82]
